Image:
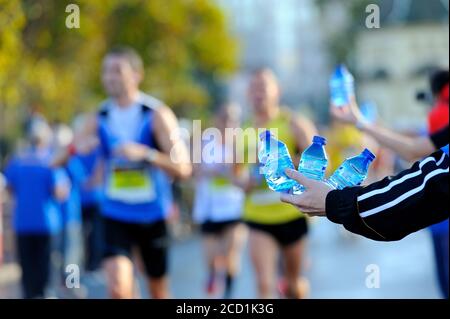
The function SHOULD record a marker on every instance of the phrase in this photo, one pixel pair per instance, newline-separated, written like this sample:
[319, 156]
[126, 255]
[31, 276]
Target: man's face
[263, 92]
[118, 76]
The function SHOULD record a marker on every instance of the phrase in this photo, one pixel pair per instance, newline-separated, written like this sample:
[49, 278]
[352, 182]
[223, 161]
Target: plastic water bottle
[342, 86]
[353, 171]
[313, 162]
[274, 157]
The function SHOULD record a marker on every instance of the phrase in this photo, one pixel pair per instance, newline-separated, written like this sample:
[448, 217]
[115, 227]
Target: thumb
[297, 176]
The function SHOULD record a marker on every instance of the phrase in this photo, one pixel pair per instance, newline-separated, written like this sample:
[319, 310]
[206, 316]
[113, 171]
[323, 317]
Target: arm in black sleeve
[396, 206]
[440, 138]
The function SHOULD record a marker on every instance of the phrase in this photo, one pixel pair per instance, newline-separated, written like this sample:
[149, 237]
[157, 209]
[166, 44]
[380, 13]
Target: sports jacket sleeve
[396, 206]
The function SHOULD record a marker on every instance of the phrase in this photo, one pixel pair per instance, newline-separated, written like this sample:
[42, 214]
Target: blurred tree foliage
[12, 22]
[48, 67]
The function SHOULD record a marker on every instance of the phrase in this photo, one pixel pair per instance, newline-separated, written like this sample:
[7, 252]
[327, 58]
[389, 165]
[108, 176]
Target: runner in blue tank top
[37, 188]
[140, 154]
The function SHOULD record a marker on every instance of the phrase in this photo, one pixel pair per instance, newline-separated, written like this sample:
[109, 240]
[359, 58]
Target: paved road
[336, 268]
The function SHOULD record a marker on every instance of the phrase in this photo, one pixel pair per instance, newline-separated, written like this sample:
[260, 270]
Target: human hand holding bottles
[312, 200]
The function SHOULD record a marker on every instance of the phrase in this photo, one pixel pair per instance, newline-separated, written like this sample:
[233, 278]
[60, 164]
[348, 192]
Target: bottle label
[346, 178]
[312, 169]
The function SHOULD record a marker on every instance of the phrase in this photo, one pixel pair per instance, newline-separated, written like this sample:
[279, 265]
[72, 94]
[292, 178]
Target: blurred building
[286, 36]
[394, 61]
[390, 64]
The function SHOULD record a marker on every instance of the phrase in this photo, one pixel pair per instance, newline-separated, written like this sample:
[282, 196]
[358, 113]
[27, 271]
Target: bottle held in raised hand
[342, 86]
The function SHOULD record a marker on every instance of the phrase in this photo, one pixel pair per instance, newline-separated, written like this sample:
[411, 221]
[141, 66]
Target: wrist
[341, 206]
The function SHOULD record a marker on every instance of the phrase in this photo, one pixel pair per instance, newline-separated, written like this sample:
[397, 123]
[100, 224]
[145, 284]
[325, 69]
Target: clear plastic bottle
[275, 159]
[313, 162]
[353, 171]
[342, 86]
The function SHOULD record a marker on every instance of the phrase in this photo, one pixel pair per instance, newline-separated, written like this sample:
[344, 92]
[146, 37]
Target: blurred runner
[35, 186]
[218, 206]
[345, 141]
[140, 146]
[88, 154]
[275, 228]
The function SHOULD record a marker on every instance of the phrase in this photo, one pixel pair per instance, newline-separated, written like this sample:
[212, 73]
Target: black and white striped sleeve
[395, 206]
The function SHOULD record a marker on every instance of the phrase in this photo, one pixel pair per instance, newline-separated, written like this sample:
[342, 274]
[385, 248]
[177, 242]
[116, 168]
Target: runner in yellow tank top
[261, 202]
[275, 228]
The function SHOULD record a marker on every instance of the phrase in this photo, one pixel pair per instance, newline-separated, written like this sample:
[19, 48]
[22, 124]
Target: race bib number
[132, 185]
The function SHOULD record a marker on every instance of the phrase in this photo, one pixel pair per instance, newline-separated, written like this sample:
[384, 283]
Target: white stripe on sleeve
[401, 180]
[405, 195]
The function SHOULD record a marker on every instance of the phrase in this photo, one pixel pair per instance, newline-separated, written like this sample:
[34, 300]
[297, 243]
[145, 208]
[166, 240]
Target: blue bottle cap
[368, 154]
[320, 140]
[342, 71]
[265, 135]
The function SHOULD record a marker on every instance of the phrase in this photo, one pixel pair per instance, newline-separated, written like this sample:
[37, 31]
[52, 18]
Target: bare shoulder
[164, 116]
